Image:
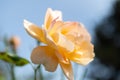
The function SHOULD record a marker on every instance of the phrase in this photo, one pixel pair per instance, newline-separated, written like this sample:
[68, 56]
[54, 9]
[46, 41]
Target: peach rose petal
[68, 26]
[55, 28]
[34, 31]
[50, 16]
[46, 56]
[83, 55]
[75, 31]
[51, 43]
[64, 43]
[67, 69]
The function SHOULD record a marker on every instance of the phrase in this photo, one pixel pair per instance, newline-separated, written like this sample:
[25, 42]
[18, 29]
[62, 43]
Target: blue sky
[13, 12]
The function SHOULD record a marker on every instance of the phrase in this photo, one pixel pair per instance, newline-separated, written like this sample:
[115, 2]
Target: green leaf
[13, 59]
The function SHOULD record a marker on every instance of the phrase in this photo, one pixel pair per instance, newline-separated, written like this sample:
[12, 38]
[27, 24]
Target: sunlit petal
[69, 26]
[34, 31]
[50, 16]
[83, 55]
[56, 27]
[63, 43]
[67, 69]
[83, 52]
[51, 43]
[63, 46]
[46, 56]
[76, 32]
[61, 57]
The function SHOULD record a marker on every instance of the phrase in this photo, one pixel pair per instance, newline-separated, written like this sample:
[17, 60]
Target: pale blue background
[13, 12]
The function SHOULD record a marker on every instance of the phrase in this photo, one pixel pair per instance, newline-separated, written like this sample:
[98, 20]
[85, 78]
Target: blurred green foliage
[2, 78]
[13, 59]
